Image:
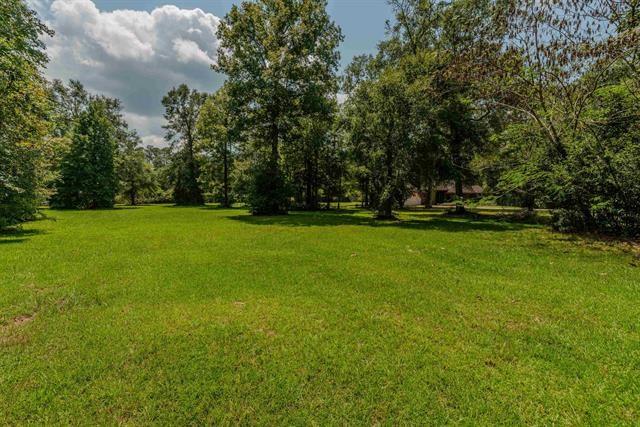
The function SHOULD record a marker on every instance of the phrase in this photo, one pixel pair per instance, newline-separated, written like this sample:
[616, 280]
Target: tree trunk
[226, 176]
[428, 203]
[274, 134]
[366, 200]
[310, 199]
[132, 197]
[460, 195]
[385, 210]
[339, 188]
[316, 185]
[459, 189]
[529, 202]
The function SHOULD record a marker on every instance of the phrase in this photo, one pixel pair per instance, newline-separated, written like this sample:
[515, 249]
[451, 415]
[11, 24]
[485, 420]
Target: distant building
[447, 192]
[415, 199]
[443, 193]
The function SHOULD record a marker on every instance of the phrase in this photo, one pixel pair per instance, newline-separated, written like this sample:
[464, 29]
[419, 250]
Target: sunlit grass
[190, 315]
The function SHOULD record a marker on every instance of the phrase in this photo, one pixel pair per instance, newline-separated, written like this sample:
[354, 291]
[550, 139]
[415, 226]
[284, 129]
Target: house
[415, 199]
[443, 193]
[446, 192]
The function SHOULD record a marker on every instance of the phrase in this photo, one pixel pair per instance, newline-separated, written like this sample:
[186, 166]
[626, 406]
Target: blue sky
[136, 50]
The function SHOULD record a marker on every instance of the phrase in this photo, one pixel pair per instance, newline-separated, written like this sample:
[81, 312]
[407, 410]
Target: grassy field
[190, 315]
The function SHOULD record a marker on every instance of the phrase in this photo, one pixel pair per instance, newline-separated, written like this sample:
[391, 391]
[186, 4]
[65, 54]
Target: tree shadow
[422, 221]
[206, 207]
[221, 208]
[115, 208]
[17, 235]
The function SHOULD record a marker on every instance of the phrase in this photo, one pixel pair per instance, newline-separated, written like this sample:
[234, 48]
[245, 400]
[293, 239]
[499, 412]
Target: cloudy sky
[136, 50]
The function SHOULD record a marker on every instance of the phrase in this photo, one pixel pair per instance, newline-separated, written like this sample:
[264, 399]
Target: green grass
[202, 315]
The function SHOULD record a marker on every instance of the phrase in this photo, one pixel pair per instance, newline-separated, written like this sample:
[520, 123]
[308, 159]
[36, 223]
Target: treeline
[536, 101]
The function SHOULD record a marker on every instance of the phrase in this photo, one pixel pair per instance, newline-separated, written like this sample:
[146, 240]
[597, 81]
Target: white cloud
[154, 140]
[136, 56]
[188, 50]
[145, 124]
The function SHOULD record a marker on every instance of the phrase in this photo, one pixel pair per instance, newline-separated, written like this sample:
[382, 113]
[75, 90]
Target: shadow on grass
[17, 235]
[115, 208]
[207, 207]
[425, 221]
[222, 208]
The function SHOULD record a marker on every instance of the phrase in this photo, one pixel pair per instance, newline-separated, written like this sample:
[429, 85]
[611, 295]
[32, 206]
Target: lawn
[203, 315]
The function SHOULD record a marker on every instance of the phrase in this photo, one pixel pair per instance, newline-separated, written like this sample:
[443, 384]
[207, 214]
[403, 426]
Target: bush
[268, 192]
[185, 176]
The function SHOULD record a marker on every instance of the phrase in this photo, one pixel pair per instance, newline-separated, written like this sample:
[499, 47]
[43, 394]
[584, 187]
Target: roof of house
[450, 188]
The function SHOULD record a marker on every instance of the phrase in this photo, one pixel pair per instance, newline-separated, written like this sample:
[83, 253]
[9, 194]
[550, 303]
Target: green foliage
[280, 58]
[87, 178]
[160, 159]
[313, 161]
[594, 185]
[23, 110]
[182, 107]
[599, 185]
[68, 102]
[184, 175]
[218, 133]
[135, 172]
[379, 127]
[268, 192]
[413, 121]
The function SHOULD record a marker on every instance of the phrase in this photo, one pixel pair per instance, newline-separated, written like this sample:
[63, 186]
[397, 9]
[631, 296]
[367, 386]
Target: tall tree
[135, 172]
[218, 133]
[379, 111]
[182, 107]
[304, 158]
[430, 40]
[23, 110]
[280, 58]
[160, 159]
[87, 177]
[68, 102]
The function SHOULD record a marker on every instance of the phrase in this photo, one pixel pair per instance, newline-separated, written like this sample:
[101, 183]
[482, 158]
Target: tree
[134, 172]
[182, 107]
[160, 159]
[558, 60]
[217, 137]
[379, 111]
[433, 114]
[304, 156]
[68, 102]
[23, 110]
[334, 164]
[87, 177]
[430, 41]
[280, 58]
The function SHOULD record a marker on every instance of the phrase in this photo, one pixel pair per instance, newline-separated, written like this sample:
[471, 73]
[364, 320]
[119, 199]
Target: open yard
[162, 314]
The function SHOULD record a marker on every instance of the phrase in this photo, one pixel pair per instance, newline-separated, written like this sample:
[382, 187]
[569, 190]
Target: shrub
[268, 192]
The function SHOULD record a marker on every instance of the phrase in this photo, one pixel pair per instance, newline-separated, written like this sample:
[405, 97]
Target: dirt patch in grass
[24, 319]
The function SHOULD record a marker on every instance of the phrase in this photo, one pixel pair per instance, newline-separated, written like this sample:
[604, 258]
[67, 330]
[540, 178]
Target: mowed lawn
[202, 315]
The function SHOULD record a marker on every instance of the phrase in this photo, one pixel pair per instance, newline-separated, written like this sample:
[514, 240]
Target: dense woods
[535, 101]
